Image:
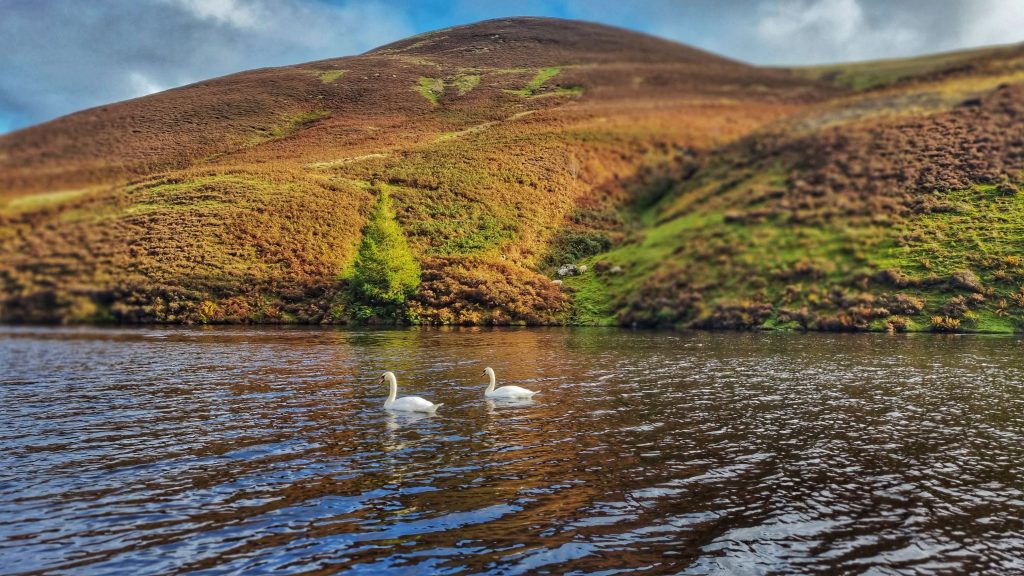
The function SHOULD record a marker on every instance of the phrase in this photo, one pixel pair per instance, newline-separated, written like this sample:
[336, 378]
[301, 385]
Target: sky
[60, 56]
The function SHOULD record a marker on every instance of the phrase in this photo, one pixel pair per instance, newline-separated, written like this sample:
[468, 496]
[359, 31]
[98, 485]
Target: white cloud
[994, 22]
[141, 85]
[814, 31]
[791, 32]
[61, 56]
[839, 20]
[233, 12]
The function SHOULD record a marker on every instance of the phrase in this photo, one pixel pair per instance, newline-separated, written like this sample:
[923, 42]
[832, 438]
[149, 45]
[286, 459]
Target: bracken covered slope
[242, 198]
[893, 208]
[699, 191]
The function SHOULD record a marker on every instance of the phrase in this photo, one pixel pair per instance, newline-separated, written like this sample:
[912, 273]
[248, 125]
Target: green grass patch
[299, 122]
[597, 296]
[288, 126]
[41, 200]
[542, 76]
[881, 73]
[571, 91]
[330, 76]
[465, 83]
[430, 88]
[592, 300]
[980, 230]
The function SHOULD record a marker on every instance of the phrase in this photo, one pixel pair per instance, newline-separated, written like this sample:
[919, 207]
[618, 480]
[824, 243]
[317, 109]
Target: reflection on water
[165, 451]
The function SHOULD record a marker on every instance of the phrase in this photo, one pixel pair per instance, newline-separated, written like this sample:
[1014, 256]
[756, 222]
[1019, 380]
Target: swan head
[387, 376]
[488, 371]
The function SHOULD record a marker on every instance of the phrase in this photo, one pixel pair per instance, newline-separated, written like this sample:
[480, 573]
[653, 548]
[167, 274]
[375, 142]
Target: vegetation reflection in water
[236, 450]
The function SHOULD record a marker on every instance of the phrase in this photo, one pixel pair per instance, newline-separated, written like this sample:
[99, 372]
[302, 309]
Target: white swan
[405, 403]
[504, 391]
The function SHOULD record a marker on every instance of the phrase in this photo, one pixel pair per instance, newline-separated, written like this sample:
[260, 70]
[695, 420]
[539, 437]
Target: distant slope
[699, 191]
[881, 73]
[896, 221]
[187, 125]
[542, 42]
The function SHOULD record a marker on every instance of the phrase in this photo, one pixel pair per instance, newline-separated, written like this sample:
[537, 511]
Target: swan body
[504, 391]
[405, 403]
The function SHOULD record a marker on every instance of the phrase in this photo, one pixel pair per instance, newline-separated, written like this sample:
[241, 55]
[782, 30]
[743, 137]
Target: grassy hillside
[882, 73]
[693, 190]
[906, 221]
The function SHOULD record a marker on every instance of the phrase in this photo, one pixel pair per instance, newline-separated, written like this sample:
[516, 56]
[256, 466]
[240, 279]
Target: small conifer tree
[386, 274]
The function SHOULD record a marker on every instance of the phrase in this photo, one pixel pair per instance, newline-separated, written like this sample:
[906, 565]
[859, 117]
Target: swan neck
[492, 379]
[393, 390]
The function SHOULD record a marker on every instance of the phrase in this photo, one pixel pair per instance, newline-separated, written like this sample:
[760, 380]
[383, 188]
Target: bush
[731, 315]
[667, 298]
[571, 248]
[966, 280]
[954, 307]
[945, 324]
[1018, 297]
[477, 291]
[897, 324]
[902, 304]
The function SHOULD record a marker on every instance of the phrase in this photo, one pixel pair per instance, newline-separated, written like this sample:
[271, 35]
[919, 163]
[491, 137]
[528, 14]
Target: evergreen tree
[386, 274]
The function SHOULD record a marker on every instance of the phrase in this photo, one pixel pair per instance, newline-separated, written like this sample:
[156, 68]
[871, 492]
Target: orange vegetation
[700, 191]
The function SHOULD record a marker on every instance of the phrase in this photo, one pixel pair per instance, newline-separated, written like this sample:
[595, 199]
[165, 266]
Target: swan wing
[413, 404]
[512, 392]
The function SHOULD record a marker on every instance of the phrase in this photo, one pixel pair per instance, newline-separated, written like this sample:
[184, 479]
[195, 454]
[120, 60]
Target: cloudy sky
[59, 56]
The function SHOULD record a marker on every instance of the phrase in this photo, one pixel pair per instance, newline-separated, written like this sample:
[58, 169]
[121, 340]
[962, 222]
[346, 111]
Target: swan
[504, 391]
[405, 403]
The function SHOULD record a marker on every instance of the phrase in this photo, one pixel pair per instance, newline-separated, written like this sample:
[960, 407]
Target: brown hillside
[242, 198]
[907, 218]
[187, 125]
[548, 42]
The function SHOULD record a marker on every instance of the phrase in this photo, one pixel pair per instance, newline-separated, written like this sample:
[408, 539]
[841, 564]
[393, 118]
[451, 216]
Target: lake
[238, 450]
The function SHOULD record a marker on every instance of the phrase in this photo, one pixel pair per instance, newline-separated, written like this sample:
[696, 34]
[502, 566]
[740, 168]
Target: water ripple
[214, 451]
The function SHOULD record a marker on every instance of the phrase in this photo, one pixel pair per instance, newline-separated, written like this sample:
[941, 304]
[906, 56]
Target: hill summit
[539, 171]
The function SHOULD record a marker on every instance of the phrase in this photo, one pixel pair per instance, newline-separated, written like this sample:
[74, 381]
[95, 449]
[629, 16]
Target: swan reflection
[493, 405]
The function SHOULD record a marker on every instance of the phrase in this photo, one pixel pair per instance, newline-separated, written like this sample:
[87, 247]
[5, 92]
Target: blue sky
[60, 56]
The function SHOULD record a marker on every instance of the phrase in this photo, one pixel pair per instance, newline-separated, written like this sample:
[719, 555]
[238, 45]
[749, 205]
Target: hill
[697, 190]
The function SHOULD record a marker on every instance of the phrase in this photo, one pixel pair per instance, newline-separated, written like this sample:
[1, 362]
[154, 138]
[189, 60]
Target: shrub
[897, 324]
[573, 247]
[736, 315]
[209, 313]
[1002, 307]
[955, 306]
[945, 324]
[472, 290]
[966, 280]
[668, 298]
[902, 304]
[1018, 297]
[1006, 188]
[894, 278]
[802, 316]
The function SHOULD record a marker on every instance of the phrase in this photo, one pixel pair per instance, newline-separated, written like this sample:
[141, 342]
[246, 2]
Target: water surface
[165, 451]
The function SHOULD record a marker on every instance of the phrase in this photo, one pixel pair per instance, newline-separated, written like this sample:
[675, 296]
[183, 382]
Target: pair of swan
[417, 404]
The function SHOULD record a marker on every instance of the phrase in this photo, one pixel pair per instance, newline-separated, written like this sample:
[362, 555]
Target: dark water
[266, 451]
